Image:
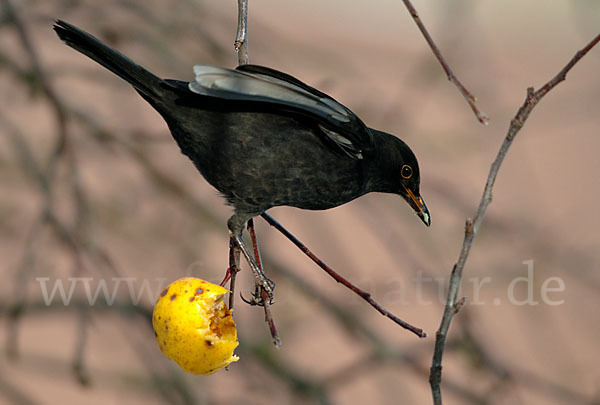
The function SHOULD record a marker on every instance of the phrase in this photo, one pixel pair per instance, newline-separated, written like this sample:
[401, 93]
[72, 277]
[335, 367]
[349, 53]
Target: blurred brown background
[110, 196]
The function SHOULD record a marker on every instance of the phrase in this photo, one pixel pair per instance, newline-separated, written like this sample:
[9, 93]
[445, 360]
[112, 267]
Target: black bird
[264, 138]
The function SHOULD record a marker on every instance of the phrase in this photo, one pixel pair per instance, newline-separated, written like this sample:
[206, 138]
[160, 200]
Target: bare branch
[241, 38]
[471, 100]
[472, 226]
[337, 277]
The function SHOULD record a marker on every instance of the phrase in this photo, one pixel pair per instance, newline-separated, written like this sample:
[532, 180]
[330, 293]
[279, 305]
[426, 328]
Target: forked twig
[340, 279]
[472, 226]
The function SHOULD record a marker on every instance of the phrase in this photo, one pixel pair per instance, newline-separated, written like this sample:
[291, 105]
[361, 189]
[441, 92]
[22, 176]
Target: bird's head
[409, 181]
[394, 169]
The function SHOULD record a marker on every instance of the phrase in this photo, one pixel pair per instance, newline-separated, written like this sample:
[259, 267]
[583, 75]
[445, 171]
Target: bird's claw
[262, 291]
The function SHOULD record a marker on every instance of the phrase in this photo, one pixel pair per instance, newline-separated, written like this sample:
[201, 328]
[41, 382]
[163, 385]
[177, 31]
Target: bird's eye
[406, 172]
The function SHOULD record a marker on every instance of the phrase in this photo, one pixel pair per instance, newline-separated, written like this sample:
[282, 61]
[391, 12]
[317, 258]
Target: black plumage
[264, 139]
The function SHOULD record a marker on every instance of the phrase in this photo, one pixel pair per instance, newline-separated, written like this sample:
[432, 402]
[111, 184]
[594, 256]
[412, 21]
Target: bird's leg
[261, 281]
[266, 300]
[236, 225]
[263, 294]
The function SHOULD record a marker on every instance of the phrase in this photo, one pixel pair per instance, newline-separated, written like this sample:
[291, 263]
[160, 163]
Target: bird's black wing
[252, 83]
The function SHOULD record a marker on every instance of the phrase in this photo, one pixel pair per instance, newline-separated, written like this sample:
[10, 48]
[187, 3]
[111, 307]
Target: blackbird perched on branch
[263, 138]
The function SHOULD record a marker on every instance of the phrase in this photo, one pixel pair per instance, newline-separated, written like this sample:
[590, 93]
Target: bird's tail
[141, 79]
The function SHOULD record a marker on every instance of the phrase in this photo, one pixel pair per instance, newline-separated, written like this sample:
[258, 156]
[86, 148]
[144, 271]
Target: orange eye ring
[406, 172]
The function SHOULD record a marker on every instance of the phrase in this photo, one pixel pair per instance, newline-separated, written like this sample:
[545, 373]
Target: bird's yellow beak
[417, 204]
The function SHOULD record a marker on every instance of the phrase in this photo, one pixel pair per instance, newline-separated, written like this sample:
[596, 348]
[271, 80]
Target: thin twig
[269, 318]
[471, 100]
[232, 271]
[340, 279]
[241, 37]
[254, 240]
[265, 296]
[472, 226]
